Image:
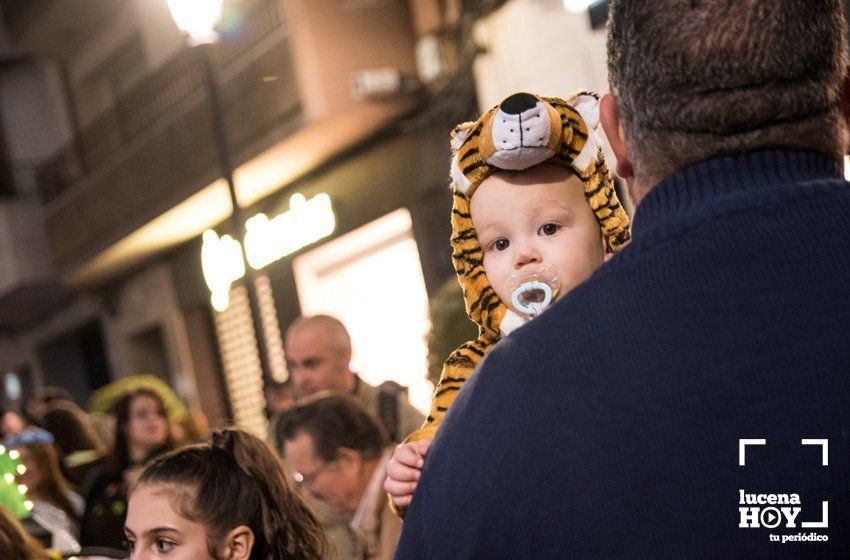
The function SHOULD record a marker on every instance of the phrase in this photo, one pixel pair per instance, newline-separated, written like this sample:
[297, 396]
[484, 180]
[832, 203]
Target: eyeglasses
[310, 478]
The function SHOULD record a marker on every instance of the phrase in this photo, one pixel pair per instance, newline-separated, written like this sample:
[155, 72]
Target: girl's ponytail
[243, 484]
[289, 528]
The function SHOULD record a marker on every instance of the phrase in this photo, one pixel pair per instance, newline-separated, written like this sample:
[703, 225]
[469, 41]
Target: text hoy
[772, 517]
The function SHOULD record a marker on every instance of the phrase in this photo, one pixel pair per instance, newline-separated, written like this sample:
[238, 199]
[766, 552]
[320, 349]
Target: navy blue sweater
[609, 427]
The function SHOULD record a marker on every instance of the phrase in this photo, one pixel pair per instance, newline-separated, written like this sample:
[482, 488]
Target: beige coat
[409, 419]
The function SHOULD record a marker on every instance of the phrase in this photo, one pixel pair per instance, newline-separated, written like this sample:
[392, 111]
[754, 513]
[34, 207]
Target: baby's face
[537, 216]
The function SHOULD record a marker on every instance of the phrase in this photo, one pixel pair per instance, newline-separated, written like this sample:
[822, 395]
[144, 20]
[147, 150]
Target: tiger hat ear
[459, 134]
[587, 105]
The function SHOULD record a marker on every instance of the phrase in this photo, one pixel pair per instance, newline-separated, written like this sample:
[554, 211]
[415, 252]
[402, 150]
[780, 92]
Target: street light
[576, 6]
[198, 18]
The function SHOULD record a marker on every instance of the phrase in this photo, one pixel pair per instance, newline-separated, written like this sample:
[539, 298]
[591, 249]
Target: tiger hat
[522, 131]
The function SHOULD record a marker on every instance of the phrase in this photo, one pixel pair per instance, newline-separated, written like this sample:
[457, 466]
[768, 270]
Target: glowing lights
[29, 505]
[197, 18]
[269, 240]
[221, 261]
[381, 290]
[21, 469]
[9, 478]
[14, 455]
[266, 241]
[241, 363]
[22, 488]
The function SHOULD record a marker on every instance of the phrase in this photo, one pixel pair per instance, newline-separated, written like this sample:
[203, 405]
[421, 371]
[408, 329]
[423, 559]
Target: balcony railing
[155, 97]
[155, 147]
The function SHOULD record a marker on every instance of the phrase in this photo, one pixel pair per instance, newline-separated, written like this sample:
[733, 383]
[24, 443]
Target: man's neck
[369, 467]
[351, 382]
[639, 187]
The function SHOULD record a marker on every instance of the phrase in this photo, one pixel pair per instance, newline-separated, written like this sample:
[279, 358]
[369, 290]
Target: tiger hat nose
[518, 103]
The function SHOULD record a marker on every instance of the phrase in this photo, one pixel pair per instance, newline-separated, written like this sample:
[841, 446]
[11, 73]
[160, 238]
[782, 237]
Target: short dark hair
[334, 422]
[698, 78]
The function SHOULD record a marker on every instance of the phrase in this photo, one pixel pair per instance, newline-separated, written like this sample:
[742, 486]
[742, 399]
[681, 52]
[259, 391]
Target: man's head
[692, 79]
[548, 222]
[318, 353]
[334, 445]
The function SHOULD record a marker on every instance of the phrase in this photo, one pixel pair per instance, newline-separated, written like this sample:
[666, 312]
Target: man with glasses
[338, 453]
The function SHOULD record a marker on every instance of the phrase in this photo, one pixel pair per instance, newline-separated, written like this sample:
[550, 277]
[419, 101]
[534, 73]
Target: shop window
[371, 279]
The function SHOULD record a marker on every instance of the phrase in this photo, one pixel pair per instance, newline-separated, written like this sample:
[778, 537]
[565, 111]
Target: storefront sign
[266, 241]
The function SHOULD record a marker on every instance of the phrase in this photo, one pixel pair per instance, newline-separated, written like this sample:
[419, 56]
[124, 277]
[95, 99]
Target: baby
[534, 214]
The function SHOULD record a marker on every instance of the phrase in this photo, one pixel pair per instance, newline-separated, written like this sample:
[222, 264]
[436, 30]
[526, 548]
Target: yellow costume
[522, 131]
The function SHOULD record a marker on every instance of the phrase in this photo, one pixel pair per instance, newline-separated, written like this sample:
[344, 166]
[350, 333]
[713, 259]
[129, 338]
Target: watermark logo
[780, 511]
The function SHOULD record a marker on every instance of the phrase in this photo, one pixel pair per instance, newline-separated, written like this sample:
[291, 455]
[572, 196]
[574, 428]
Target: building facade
[112, 178]
[120, 255]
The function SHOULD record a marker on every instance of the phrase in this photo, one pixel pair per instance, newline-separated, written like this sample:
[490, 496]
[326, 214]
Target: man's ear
[609, 116]
[238, 544]
[348, 458]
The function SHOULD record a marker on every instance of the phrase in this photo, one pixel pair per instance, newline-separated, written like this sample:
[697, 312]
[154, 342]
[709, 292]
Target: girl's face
[147, 426]
[155, 530]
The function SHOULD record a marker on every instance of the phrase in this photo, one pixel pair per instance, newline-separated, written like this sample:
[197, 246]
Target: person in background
[318, 354]
[10, 422]
[339, 452]
[56, 507]
[142, 432]
[81, 452]
[225, 499]
[16, 544]
[37, 406]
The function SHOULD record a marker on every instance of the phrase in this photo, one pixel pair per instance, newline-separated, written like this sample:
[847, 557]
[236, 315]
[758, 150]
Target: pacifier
[533, 289]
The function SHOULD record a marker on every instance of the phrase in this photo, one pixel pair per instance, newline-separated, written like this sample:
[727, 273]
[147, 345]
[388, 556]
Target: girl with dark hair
[81, 453]
[142, 432]
[228, 499]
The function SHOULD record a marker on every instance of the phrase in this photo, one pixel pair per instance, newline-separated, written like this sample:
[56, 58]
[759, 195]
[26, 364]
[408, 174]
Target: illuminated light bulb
[197, 18]
[2, 450]
[220, 301]
[577, 6]
[14, 454]
[297, 200]
[22, 469]
[22, 488]
[9, 478]
[28, 505]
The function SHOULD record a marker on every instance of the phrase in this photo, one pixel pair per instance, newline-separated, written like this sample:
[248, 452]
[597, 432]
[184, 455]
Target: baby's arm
[408, 458]
[403, 471]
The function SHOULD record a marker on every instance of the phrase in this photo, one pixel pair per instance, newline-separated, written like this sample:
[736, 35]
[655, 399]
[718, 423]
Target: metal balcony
[154, 148]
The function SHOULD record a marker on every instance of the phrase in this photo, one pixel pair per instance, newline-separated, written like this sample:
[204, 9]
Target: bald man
[318, 354]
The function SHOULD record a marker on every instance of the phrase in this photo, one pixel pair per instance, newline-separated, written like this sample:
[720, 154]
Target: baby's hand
[403, 471]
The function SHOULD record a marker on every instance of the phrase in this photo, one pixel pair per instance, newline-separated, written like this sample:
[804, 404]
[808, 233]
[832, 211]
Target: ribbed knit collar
[688, 193]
